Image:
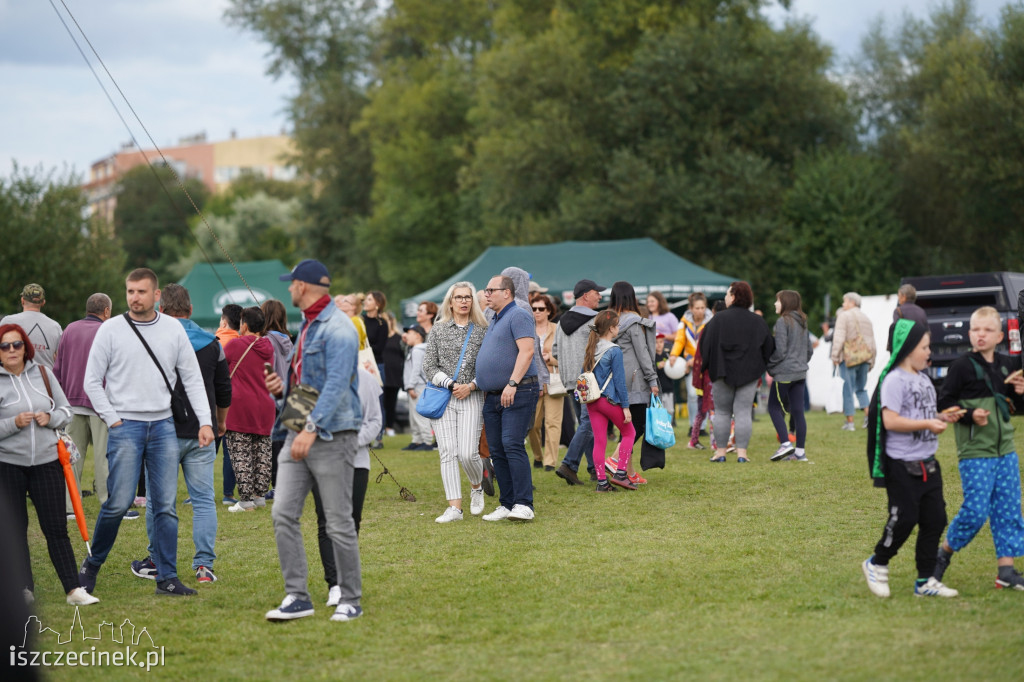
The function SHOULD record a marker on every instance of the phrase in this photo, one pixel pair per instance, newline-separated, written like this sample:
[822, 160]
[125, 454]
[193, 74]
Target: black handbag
[180, 409]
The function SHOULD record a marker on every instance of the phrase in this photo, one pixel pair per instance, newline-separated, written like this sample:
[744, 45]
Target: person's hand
[116, 424]
[655, 390]
[461, 391]
[274, 384]
[672, 360]
[23, 419]
[205, 435]
[370, 367]
[950, 416]
[42, 418]
[222, 428]
[543, 389]
[627, 416]
[546, 356]
[508, 396]
[413, 393]
[936, 426]
[981, 416]
[1018, 384]
[301, 445]
[835, 363]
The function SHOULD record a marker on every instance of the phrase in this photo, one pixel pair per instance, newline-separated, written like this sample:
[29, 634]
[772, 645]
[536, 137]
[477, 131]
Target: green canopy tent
[644, 263]
[209, 295]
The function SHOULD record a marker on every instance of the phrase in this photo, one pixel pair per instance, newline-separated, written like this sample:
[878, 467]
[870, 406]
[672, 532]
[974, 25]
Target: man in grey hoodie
[570, 344]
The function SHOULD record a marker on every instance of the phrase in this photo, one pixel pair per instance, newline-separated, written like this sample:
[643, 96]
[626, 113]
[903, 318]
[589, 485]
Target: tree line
[428, 131]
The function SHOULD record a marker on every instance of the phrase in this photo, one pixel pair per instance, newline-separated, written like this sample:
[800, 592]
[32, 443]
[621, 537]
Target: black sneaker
[87, 576]
[620, 479]
[173, 588]
[144, 568]
[1013, 580]
[538, 464]
[604, 487]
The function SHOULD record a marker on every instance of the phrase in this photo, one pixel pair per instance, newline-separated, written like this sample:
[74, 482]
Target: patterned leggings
[991, 493]
[250, 458]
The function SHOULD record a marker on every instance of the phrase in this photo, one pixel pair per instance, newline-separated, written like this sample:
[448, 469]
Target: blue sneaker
[229, 500]
[291, 608]
[144, 568]
[269, 495]
[347, 612]
[130, 515]
[187, 500]
[87, 576]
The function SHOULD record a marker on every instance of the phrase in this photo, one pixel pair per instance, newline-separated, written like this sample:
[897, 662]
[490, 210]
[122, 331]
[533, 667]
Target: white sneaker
[242, 507]
[499, 514]
[334, 595]
[934, 588]
[848, 426]
[785, 450]
[476, 501]
[450, 514]
[521, 512]
[877, 576]
[390, 433]
[79, 597]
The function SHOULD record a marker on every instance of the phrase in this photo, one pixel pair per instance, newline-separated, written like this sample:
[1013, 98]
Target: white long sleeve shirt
[134, 388]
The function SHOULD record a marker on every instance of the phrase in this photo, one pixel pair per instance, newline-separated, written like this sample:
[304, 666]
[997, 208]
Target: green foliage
[48, 240]
[258, 227]
[249, 184]
[152, 216]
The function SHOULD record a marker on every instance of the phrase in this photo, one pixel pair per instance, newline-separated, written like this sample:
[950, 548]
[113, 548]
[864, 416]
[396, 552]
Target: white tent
[879, 310]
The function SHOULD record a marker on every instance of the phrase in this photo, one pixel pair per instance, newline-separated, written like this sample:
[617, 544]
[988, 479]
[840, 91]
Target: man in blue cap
[323, 451]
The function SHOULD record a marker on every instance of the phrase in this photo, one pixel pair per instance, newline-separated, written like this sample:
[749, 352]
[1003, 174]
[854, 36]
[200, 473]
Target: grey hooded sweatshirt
[522, 281]
[637, 338]
[33, 444]
[793, 349]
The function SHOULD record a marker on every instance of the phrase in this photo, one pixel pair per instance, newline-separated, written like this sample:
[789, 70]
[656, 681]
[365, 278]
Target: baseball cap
[418, 329]
[33, 293]
[585, 285]
[536, 288]
[310, 271]
[660, 335]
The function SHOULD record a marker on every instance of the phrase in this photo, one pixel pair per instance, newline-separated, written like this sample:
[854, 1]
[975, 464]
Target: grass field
[711, 571]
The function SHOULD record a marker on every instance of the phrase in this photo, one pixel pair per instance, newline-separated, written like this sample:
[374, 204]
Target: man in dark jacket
[196, 460]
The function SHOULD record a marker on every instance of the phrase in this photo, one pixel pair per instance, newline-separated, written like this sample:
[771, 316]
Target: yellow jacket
[686, 337]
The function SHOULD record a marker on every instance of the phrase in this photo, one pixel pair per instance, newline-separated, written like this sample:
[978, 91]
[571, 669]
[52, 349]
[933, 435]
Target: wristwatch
[513, 383]
[310, 427]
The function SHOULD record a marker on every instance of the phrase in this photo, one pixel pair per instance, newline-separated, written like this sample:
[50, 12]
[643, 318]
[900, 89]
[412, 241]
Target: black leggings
[913, 501]
[45, 485]
[360, 479]
[390, 403]
[787, 397]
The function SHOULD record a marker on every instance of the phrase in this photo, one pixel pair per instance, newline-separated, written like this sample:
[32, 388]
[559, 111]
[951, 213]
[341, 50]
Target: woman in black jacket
[735, 348]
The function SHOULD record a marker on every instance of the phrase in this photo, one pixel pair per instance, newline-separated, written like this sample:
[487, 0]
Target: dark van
[949, 301]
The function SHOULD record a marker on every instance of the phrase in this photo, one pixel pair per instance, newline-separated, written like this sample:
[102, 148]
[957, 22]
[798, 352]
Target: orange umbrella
[76, 498]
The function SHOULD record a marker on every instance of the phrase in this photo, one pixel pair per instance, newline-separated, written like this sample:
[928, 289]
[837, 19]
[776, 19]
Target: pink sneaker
[139, 502]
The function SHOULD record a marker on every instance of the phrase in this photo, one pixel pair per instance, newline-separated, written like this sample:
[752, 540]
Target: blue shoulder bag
[434, 400]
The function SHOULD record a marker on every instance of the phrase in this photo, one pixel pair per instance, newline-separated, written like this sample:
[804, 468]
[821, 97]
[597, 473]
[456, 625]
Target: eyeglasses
[462, 299]
[16, 345]
[541, 309]
[491, 291]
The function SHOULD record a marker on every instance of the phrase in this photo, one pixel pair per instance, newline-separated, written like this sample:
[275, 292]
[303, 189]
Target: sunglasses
[16, 345]
[541, 309]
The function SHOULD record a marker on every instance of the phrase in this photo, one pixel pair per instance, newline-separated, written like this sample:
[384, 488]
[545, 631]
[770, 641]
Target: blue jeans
[506, 429]
[197, 465]
[582, 443]
[128, 446]
[854, 381]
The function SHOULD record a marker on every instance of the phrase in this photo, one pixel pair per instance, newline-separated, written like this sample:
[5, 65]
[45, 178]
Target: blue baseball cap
[311, 271]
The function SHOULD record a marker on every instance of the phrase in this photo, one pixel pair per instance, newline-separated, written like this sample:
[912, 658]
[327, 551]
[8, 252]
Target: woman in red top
[251, 417]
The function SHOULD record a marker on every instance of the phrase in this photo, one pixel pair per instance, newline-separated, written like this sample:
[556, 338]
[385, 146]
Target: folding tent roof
[209, 295]
[644, 263]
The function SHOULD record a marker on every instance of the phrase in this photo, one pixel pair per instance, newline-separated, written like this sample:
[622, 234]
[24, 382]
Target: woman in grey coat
[788, 367]
[637, 338]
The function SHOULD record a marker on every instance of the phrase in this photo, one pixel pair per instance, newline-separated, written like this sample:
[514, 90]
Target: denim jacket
[329, 360]
[615, 391]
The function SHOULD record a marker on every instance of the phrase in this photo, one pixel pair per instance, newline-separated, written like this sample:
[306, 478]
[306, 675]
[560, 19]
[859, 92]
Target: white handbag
[834, 399]
[555, 385]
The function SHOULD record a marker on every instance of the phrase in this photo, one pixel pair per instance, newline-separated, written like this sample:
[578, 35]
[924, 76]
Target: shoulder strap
[1001, 400]
[458, 367]
[239, 363]
[46, 381]
[150, 351]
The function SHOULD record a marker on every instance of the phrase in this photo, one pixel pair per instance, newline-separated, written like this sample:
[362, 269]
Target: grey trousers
[329, 464]
[85, 430]
[733, 403]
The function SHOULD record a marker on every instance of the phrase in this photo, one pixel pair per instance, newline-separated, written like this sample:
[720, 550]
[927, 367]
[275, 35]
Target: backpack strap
[1002, 402]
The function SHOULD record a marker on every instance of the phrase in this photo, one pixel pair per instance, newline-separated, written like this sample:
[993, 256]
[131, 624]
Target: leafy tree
[48, 241]
[152, 216]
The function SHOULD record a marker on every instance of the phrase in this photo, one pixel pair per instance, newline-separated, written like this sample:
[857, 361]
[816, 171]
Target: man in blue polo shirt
[505, 373]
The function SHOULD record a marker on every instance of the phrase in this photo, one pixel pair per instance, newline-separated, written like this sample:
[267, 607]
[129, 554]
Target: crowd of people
[485, 372]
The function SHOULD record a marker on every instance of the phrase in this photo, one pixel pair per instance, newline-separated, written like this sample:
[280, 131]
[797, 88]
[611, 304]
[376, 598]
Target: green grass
[709, 572]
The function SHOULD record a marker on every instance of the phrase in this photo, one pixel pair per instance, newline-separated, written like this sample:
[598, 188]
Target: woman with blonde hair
[460, 324]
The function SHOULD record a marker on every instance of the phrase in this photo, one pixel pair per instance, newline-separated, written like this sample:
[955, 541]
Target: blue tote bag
[434, 400]
[659, 433]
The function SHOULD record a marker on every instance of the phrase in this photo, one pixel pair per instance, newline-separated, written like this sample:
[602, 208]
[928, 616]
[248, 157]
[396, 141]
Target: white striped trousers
[458, 440]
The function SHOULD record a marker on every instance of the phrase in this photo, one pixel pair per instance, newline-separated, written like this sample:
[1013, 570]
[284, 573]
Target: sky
[185, 71]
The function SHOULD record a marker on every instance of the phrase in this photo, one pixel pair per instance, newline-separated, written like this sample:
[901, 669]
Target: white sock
[799, 452]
